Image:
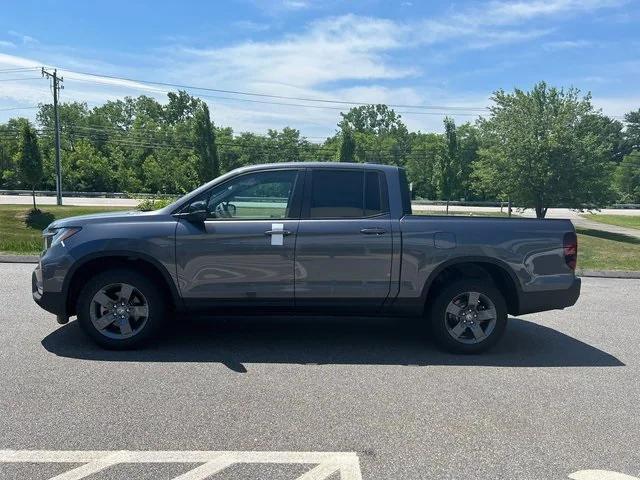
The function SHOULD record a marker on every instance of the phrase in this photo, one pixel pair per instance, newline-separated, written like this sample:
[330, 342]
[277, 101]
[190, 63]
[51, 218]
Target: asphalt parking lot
[560, 394]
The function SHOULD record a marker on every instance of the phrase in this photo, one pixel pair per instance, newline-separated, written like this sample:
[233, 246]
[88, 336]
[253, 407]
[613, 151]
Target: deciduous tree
[29, 159]
[541, 150]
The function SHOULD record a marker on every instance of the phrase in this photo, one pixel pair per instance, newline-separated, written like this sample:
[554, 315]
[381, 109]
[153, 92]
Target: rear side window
[375, 194]
[336, 194]
[404, 192]
[347, 194]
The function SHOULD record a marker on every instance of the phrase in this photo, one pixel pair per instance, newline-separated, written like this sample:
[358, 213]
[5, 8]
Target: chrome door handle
[373, 231]
[278, 232]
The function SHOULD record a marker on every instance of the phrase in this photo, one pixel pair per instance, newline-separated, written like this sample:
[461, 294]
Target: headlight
[54, 236]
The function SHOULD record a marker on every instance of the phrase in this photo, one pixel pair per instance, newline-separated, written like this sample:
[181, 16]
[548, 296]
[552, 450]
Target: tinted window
[336, 194]
[404, 192]
[262, 195]
[375, 194]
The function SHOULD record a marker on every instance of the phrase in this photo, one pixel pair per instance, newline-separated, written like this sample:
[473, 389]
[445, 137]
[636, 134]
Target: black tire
[156, 308]
[439, 318]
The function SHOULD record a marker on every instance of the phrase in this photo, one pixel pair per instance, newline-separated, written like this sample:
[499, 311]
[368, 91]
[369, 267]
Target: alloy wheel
[119, 311]
[470, 317]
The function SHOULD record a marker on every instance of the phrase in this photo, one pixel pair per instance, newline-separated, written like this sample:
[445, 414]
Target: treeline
[543, 147]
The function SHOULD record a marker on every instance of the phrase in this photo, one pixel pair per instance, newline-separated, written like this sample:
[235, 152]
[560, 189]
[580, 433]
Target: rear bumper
[532, 302]
[53, 302]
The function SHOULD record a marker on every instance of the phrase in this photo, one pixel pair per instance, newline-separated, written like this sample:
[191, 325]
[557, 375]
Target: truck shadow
[237, 341]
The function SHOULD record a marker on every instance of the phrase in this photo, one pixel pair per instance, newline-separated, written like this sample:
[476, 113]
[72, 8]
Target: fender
[472, 259]
[127, 255]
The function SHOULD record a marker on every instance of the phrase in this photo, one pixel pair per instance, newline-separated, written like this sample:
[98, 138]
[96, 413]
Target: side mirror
[197, 212]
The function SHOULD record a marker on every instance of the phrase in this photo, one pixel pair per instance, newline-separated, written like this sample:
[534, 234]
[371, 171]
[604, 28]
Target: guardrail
[49, 193]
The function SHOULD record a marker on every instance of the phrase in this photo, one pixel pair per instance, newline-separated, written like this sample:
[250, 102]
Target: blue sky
[451, 54]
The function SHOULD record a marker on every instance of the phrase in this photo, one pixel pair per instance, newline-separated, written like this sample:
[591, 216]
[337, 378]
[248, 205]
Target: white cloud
[330, 50]
[295, 4]
[567, 44]
[7, 44]
[25, 39]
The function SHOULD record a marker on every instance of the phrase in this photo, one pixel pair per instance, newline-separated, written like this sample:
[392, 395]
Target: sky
[431, 58]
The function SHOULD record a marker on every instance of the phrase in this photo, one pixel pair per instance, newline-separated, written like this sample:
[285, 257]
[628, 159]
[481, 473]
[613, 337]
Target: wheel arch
[89, 265]
[476, 267]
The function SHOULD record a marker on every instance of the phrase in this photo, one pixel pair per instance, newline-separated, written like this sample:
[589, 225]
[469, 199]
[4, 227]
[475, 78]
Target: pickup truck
[321, 238]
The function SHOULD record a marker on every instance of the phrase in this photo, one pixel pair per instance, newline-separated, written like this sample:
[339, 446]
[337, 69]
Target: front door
[344, 245]
[245, 248]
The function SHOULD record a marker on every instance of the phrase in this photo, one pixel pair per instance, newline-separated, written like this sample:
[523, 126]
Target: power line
[18, 69]
[19, 79]
[17, 108]
[460, 112]
[265, 95]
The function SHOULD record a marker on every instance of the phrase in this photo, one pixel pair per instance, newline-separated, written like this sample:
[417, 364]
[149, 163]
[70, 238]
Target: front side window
[257, 196]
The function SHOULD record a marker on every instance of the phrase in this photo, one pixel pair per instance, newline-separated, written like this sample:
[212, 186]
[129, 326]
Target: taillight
[570, 246]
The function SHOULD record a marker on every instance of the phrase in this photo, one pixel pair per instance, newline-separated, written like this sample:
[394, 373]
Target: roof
[315, 165]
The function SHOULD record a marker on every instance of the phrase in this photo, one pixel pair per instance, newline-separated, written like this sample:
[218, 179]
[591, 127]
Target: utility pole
[56, 80]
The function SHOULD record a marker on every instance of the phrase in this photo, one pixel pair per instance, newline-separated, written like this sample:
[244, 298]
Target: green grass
[629, 221]
[21, 229]
[599, 250]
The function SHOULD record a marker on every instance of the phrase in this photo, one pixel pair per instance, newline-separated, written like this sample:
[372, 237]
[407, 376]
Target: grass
[21, 229]
[629, 221]
[599, 250]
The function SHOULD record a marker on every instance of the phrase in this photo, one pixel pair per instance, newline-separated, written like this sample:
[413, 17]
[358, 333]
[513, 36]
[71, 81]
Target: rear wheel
[120, 309]
[468, 316]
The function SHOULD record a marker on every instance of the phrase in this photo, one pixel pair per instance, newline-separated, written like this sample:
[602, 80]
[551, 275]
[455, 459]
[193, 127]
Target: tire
[460, 327]
[102, 310]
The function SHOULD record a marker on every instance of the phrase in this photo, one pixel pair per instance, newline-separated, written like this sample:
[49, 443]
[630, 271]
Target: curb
[580, 273]
[19, 258]
[608, 274]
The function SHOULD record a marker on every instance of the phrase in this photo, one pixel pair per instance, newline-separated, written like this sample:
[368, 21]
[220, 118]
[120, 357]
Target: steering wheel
[225, 210]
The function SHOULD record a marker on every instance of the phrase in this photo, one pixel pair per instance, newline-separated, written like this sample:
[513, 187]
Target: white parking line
[326, 463]
[600, 475]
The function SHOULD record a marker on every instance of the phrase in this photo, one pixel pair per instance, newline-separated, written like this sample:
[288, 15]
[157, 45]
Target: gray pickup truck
[321, 238]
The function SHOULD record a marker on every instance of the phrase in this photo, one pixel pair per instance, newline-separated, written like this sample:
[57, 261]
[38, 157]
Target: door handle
[373, 231]
[278, 232]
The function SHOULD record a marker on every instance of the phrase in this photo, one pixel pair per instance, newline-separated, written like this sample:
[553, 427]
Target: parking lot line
[325, 463]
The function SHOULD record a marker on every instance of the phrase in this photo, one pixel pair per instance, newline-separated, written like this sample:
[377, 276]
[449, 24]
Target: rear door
[344, 243]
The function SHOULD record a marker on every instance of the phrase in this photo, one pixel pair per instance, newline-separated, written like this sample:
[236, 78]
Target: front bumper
[532, 302]
[54, 302]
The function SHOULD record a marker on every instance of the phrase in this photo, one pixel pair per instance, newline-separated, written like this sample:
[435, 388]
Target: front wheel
[468, 316]
[120, 309]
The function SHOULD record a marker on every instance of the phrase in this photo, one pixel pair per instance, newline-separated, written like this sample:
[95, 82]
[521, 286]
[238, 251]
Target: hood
[106, 217]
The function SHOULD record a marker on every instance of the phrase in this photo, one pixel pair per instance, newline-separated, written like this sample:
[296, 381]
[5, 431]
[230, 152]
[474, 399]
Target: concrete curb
[581, 273]
[19, 259]
[608, 274]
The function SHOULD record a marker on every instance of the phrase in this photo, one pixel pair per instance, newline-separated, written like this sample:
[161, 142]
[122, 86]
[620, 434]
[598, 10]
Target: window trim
[296, 200]
[306, 201]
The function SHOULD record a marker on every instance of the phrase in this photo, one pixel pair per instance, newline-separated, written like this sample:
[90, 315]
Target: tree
[423, 164]
[632, 119]
[468, 145]
[449, 161]
[626, 178]
[379, 134]
[29, 160]
[205, 145]
[347, 146]
[541, 150]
